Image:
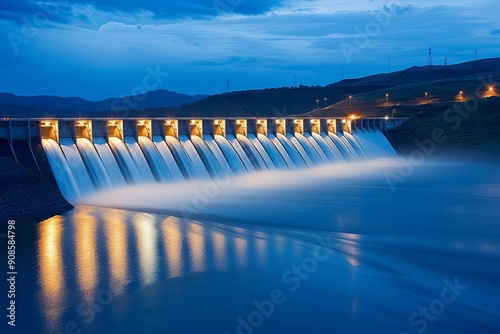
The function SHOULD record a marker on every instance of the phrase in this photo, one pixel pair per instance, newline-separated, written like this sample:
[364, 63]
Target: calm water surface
[325, 250]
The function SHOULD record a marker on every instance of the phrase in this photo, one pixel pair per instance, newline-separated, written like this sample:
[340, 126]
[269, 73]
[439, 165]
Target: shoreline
[26, 196]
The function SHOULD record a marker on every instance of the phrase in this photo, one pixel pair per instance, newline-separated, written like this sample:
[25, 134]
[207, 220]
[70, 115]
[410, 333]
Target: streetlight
[317, 104]
[426, 96]
[387, 98]
[325, 102]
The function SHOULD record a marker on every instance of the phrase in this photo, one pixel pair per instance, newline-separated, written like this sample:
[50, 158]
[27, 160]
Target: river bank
[24, 195]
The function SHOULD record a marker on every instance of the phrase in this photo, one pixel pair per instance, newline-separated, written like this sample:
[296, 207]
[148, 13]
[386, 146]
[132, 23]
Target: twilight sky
[98, 49]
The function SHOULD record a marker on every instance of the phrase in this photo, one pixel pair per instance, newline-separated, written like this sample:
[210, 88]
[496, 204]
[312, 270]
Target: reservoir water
[337, 248]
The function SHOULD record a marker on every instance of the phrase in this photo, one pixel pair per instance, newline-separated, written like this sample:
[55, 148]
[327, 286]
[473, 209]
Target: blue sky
[98, 49]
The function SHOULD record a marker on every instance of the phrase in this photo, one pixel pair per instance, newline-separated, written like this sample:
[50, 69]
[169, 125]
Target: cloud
[112, 42]
[158, 9]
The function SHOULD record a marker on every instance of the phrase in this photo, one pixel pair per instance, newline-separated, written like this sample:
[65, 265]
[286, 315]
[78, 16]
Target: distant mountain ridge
[426, 73]
[31, 106]
[363, 96]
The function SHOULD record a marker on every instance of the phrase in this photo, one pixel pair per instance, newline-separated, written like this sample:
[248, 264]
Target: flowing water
[320, 233]
[330, 249]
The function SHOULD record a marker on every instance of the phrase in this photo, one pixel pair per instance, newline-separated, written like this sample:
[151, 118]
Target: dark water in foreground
[328, 250]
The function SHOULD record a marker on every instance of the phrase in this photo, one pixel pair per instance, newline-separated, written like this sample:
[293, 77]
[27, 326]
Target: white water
[125, 160]
[311, 150]
[334, 147]
[252, 153]
[349, 146]
[95, 167]
[168, 158]
[201, 169]
[375, 144]
[139, 160]
[214, 147]
[62, 172]
[343, 147]
[347, 253]
[275, 154]
[329, 152]
[231, 156]
[184, 162]
[77, 166]
[355, 145]
[297, 158]
[171, 160]
[241, 153]
[208, 158]
[114, 173]
[154, 160]
[262, 151]
[310, 160]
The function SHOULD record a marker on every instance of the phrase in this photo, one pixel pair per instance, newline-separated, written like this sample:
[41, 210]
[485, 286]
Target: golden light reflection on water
[173, 246]
[220, 250]
[145, 230]
[350, 247]
[51, 269]
[196, 240]
[86, 251]
[241, 248]
[261, 248]
[116, 242]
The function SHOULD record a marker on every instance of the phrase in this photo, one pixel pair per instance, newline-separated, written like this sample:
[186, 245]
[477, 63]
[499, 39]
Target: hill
[38, 106]
[368, 94]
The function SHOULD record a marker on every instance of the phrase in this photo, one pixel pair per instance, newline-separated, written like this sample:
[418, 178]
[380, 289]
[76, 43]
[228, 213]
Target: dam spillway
[88, 155]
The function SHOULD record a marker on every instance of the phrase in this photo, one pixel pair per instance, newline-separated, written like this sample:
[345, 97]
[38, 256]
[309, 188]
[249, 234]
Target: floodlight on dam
[172, 128]
[220, 127]
[281, 126]
[316, 126]
[144, 128]
[298, 126]
[83, 129]
[49, 129]
[262, 126]
[115, 128]
[331, 125]
[241, 127]
[196, 127]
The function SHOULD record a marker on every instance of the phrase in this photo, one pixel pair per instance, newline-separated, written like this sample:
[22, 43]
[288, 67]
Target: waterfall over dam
[89, 155]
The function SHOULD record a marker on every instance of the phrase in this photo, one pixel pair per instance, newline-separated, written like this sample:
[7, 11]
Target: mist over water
[321, 250]
[341, 248]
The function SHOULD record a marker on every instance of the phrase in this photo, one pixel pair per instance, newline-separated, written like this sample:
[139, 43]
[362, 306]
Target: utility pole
[429, 61]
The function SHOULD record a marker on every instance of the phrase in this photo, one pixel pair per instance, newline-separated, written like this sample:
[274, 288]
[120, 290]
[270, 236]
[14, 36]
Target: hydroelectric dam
[83, 156]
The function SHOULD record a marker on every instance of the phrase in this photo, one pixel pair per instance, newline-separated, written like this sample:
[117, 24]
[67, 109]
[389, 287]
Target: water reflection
[116, 241]
[51, 269]
[86, 259]
[146, 233]
[196, 243]
[241, 249]
[172, 239]
[119, 251]
[261, 248]
[220, 249]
